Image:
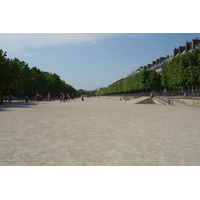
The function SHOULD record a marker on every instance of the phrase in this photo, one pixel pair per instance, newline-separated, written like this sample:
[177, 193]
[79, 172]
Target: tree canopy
[143, 81]
[17, 78]
[183, 70]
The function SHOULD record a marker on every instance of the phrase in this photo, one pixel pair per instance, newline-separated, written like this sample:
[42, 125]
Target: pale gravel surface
[100, 132]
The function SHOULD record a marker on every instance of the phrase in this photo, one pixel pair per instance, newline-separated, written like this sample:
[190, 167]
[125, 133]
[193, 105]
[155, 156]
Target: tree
[4, 70]
[17, 78]
[183, 70]
[143, 81]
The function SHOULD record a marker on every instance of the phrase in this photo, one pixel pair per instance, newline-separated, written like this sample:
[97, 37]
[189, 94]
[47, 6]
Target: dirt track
[100, 132]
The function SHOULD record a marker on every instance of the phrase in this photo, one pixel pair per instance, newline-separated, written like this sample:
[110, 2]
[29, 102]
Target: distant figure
[37, 97]
[151, 95]
[72, 96]
[1, 99]
[26, 98]
[10, 98]
[49, 97]
[82, 98]
[164, 91]
[62, 97]
[41, 97]
[68, 97]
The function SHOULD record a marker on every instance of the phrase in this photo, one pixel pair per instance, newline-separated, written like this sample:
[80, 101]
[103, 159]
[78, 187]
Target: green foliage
[18, 79]
[4, 70]
[143, 81]
[183, 70]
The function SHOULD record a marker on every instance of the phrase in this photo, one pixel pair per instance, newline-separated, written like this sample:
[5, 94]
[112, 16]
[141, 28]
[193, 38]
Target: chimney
[181, 49]
[161, 59]
[195, 42]
[188, 46]
[149, 66]
[175, 51]
[153, 63]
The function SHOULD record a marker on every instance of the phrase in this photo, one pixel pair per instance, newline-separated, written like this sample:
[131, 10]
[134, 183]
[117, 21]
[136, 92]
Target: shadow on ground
[6, 105]
[146, 101]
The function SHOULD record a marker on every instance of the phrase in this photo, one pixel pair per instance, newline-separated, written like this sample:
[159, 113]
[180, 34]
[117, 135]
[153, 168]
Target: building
[161, 62]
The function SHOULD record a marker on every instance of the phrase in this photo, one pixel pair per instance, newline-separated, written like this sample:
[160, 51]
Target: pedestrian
[26, 98]
[82, 98]
[10, 98]
[37, 97]
[62, 98]
[68, 97]
[1, 99]
[151, 95]
[41, 97]
[164, 91]
[73, 97]
[49, 97]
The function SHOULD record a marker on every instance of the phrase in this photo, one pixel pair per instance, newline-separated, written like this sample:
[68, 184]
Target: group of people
[66, 97]
[39, 97]
[63, 97]
[152, 93]
[6, 98]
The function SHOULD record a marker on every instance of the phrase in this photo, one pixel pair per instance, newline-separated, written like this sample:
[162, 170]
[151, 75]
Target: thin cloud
[30, 54]
[17, 42]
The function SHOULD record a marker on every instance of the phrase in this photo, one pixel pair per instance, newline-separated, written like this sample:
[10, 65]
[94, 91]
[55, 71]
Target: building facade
[161, 62]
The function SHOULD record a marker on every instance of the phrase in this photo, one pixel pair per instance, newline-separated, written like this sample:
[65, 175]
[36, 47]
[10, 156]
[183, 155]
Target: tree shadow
[6, 105]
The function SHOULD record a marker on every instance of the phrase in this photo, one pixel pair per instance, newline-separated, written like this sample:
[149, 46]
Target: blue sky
[89, 61]
[92, 44]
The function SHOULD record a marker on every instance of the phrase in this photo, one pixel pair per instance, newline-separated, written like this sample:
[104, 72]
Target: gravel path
[100, 132]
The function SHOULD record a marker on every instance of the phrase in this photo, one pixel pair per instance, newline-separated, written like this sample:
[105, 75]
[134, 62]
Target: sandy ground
[101, 132]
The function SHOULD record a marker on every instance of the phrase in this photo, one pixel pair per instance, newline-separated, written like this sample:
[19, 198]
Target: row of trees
[183, 71]
[142, 81]
[17, 78]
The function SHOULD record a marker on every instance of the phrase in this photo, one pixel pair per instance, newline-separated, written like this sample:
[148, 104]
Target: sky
[91, 44]
[91, 60]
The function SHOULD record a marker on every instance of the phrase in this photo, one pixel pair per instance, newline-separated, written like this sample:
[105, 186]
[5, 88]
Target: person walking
[82, 98]
[72, 96]
[49, 97]
[68, 97]
[26, 98]
[62, 97]
[1, 98]
[165, 91]
[151, 95]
